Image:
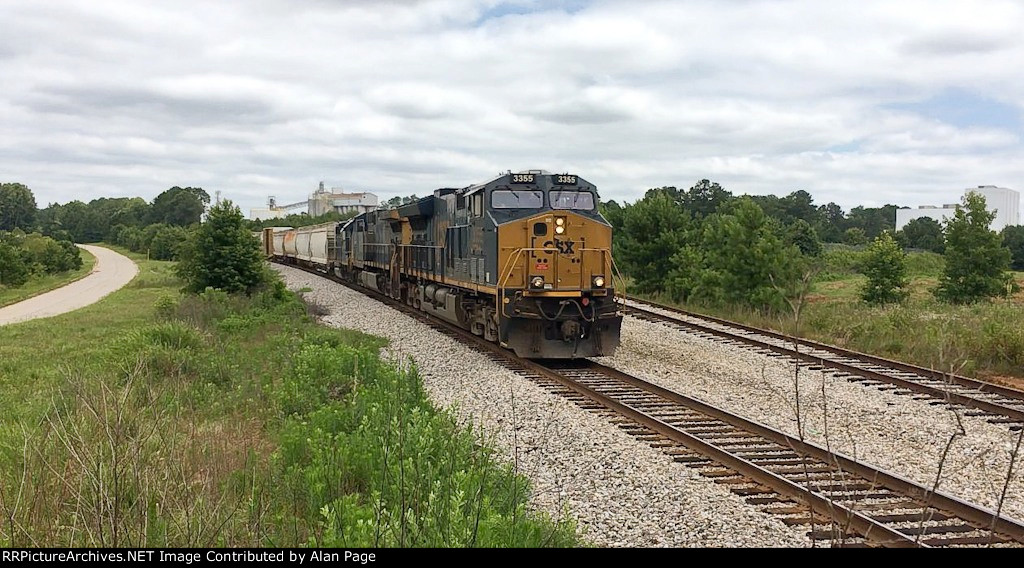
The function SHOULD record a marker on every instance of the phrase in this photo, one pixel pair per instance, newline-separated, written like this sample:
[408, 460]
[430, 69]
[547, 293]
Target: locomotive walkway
[112, 272]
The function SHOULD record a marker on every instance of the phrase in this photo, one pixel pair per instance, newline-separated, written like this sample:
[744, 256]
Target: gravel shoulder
[895, 432]
[622, 492]
[111, 272]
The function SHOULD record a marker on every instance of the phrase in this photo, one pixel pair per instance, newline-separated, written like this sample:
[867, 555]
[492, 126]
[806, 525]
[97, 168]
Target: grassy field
[986, 339]
[46, 282]
[156, 419]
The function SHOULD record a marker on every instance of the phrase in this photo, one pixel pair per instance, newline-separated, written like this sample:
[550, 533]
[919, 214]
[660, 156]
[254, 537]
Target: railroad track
[842, 502]
[999, 405]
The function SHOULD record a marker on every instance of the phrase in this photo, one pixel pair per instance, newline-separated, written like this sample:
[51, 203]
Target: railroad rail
[998, 404]
[844, 502]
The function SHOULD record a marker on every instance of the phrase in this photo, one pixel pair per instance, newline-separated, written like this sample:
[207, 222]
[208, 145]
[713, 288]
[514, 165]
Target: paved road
[111, 272]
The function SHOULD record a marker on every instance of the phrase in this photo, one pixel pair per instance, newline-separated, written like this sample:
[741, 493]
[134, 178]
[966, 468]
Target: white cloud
[255, 98]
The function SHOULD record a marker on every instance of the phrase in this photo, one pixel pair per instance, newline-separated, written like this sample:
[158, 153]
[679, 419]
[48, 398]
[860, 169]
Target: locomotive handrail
[606, 262]
[619, 292]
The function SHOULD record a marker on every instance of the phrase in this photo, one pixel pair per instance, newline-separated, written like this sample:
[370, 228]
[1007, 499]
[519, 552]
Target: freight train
[524, 260]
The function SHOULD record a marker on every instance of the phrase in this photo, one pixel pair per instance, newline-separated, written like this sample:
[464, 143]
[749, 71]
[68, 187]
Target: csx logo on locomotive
[475, 256]
[563, 247]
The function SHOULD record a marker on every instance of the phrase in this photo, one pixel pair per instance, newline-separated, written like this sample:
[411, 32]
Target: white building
[335, 199]
[1005, 202]
[321, 201]
[266, 213]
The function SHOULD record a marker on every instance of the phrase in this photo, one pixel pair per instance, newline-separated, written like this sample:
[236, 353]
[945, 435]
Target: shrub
[855, 236]
[885, 265]
[166, 306]
[222, 254]
[14, 271]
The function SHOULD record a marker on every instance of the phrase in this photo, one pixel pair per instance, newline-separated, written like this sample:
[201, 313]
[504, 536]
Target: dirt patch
[1003, 380]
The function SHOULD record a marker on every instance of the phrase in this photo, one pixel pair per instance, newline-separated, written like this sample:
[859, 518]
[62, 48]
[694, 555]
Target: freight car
[523, 259]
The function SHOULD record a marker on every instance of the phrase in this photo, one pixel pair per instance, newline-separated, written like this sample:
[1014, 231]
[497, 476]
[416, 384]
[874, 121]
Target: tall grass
[235, 421]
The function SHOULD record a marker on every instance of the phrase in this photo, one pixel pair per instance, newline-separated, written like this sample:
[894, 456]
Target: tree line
[157, 227]
[298, 220]
[702, 245]
[705, 245]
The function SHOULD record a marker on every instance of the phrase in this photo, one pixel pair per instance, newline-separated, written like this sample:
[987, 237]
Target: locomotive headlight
[559, 221]
[559, 229]
[599, 282]
[537, 282]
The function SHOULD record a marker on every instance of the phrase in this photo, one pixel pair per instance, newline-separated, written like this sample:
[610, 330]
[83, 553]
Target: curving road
[111, 272]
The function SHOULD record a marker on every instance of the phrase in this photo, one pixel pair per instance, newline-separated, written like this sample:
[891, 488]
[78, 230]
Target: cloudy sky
[858, 102]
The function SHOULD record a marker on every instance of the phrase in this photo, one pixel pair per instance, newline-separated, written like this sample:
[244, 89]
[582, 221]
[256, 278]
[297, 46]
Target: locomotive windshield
[572, 200]
[517, 199]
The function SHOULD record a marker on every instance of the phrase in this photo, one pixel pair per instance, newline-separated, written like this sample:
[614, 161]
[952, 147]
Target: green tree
[222, 253]
[48, 255]
[924, 233]
[977, 263]
[704, 198]
[800, 205]
[300, 220]
[14, 271]
[17, 207]
[803, 235]
[615, 214]
[655, 228]
[885, 265]
[133, 212]
[167, 242]
[85, 223]
[832, 223]
[1013, 239]
[855, 236]
[873, 220]
[746, 261]
[182, 206]
[399, 200]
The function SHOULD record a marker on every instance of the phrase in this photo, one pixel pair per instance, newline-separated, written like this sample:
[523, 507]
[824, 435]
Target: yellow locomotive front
[555, 292]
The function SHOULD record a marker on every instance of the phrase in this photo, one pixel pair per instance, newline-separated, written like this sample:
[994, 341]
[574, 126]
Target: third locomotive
[524, 260]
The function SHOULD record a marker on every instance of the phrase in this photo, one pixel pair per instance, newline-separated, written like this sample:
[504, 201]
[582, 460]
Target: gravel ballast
[898, 433]
[621, 491]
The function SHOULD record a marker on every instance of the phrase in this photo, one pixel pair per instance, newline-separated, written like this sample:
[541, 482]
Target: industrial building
[1005, 202]
[321, 201]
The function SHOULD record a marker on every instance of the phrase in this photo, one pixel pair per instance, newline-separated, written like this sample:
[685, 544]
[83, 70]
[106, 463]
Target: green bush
[25, 255]
[14, 271]
[885, 265]
[855, 236]
[222, 254]
[166, 306]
